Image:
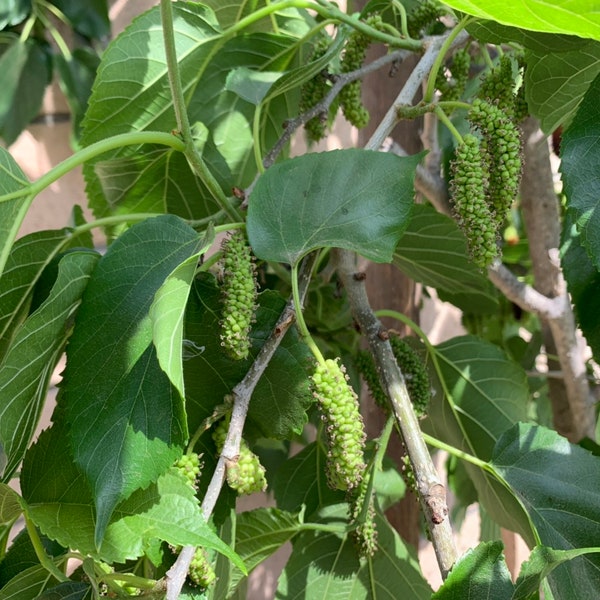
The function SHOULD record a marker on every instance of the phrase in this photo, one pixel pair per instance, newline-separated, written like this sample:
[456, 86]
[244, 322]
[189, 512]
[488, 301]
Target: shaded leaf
[483, 395]
[12, 13]
[167, 314]
[540, 563]
[325, 566]
[480, 573]
[120, 404]
[252, 86]
[25, 72]
[433, 251]
[28, 258]
[88, 17]
[583, 280]
[28, 364]
[68, 590]
[580, 153]
[258, 534]
[577, 17]
[353, 199]
[28, 584]
[557, 484]
[282, 395]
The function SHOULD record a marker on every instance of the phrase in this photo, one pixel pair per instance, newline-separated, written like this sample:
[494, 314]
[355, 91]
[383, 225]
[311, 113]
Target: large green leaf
[29, 256]
[12, 212]
[325, 566]
[28, 364]
[25, 72]
[482, 394]
[10, 504]
[576, 17]
[134, 95]
[167, 313]
[282, 396]
[583, 280]
[433, 251]
[480, 573]
[557, 482]
[354, 199]
[60, 503]
[68, 590]
[28, 584]
[127, 421]
[580, 153]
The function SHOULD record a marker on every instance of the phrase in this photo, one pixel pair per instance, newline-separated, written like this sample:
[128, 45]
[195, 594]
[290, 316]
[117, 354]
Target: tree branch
[175, 576]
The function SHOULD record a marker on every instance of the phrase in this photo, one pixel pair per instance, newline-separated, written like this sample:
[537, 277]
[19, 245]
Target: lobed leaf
[127, 421]
[353, 199]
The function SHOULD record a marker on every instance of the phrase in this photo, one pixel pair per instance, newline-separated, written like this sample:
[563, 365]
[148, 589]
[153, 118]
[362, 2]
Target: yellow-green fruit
[238, 296]
[365, 533]
[189, 466]
[201, 571]
[245, 474]
[344, 428]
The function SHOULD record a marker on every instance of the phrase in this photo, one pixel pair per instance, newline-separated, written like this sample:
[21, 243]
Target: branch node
[435, 500]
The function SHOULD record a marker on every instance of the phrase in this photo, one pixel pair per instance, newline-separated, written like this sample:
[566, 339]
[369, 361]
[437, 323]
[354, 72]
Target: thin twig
[241, 393]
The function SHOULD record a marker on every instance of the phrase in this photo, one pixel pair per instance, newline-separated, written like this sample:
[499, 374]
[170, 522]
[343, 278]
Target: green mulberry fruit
[423, 16]
[413, 370]
[344, 428]
[469, 187]
[498, 86]
[245, 474]
[312, 92]
[502, 146]
[459, 69]
[354, 55]
[365, 533]
[189, 466]
[238, 296]
[201, 571]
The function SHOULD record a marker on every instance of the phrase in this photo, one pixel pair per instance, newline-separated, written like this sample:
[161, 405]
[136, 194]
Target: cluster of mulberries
[354, 55]
[339, 408]
[201, 571]
[189, 466]
[413, 370]
[365, 533]
[453, 88]
[501, 147]
[238, 296]
[498, 86]
[423, 16]
[245, 474]
[469, 186]
[312, 92]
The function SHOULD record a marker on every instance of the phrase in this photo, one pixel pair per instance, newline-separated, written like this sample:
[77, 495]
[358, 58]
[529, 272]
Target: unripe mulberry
[365, 534]
[459, 69]
[312, 92]
[469, 186]
[344, 428]
[354, 55]
[201, 571]
[189, 466]
[502, 145]
[412, 368]
[498, 86]
[245, 474]
[423, 16]
[238, 296]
